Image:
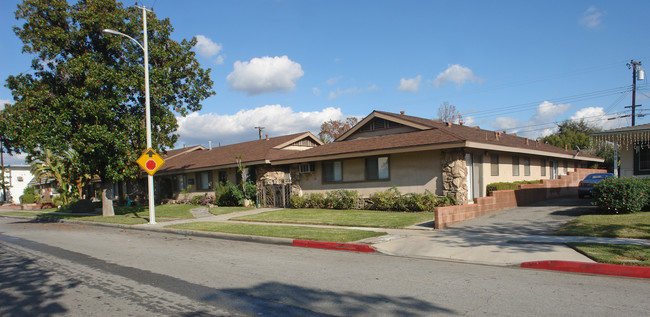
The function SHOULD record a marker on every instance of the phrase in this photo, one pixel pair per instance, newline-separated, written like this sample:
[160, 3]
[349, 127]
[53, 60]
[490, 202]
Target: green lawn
[226, 210]
[166, 211]
[354, 218]
[615, 253]
[123, 215]
[614, 226]
[292, 232]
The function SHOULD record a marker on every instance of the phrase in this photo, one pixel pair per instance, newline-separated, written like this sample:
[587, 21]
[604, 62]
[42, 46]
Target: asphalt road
[51, 269]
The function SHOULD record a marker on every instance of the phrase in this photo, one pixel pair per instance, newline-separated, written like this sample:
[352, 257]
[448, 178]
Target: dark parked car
[587, 184]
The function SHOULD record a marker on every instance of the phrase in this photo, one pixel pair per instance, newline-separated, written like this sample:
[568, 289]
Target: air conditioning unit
[307, 167]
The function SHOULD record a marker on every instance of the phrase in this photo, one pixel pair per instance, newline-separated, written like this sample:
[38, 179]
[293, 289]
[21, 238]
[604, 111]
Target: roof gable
[377, 118]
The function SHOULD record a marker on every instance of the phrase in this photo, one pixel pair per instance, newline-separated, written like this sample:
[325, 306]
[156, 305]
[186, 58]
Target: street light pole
[147, 108]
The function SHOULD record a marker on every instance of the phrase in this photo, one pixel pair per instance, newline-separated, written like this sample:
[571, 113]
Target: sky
[290, 65]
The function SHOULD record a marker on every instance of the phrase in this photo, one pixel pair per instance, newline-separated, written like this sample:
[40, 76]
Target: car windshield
[597, 176]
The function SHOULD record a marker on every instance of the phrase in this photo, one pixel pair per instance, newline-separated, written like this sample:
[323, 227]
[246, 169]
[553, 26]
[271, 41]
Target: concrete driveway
[507, 237]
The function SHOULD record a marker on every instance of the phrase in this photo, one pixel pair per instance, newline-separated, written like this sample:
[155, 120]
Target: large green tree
[575, 134]
[85, 91]
[571, 133]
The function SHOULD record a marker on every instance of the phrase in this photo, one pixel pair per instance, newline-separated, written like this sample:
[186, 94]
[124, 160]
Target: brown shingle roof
[435, 132]
[251, 152]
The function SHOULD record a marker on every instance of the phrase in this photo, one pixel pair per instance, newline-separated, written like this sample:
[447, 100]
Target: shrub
[82, 205]
[384, 200]
[196, 199]
[28, 196]
[507, 186]
[228, 194]
[298, 202]
[343, 199]
[318, 200]
[621, 195]
[251, 191]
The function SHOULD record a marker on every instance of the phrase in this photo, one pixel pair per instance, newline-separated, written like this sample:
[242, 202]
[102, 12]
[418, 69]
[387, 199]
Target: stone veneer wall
[454, 176]
[566, 185]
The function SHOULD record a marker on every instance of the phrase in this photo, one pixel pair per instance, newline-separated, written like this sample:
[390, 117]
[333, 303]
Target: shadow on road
[332, 303]
[27, 290]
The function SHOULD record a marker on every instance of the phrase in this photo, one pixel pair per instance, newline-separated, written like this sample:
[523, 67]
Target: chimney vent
[566, 147]
[402, 112]
[449, 124]
[527, 142]
[184, 146]
[267, 137]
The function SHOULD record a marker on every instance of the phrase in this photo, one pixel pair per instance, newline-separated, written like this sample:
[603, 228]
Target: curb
[590, 268]
[333, 245]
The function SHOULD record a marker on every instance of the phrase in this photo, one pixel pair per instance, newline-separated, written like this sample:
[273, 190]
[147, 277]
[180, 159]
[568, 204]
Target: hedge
[621, 195]
[507, 186]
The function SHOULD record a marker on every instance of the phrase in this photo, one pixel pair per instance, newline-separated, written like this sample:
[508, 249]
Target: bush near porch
[389, 200]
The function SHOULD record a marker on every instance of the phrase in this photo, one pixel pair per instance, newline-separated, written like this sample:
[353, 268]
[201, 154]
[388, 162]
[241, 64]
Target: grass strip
[168, 211]
[292, 232]
[227, 210]
[127, 219]
[355, 218]
[624, 254]
[635, 225]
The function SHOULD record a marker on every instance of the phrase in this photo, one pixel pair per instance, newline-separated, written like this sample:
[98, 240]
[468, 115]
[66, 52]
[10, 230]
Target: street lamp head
[109, 31]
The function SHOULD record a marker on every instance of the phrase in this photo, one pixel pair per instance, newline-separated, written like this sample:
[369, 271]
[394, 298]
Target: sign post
[150, 162]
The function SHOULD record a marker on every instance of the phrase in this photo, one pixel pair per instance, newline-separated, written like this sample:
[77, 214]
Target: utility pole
[634, 66]
[260, 128]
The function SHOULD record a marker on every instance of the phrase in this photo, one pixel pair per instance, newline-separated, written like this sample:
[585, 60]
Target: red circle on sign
[150, 165]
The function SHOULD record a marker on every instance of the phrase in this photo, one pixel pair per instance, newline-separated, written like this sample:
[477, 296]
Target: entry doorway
[474, 164]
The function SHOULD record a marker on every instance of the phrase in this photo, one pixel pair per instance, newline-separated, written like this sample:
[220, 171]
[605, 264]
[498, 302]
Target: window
[515, 166]
[566, 167]
[332, 171]
[542, 165]
[180, 182]
[526, 166]
[203, 180]
[641, 159]
[494, 164]
[377, 168]
[223, 177]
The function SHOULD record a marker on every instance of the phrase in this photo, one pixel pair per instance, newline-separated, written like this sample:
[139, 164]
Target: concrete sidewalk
[507, 237]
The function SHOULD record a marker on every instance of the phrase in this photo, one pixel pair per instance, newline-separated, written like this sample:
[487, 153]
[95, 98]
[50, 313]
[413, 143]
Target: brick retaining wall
[566, 185]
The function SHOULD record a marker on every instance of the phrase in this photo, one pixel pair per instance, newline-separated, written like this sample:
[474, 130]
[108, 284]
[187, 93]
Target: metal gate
[275, 195]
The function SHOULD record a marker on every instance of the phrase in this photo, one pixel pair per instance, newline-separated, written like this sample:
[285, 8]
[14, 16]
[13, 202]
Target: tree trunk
[107, 199]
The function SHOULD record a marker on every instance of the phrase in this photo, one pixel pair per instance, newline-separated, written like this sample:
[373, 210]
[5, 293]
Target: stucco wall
[505, 168]
[411, 172]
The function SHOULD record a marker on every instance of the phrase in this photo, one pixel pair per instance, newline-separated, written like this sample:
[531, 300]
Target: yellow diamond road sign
[150, 161]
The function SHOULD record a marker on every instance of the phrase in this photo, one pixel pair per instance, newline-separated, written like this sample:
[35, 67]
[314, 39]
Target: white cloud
[469, 120]
[265, 75]
[592, 17]
[240, 127]
[3, 102]
[316, 91]
[596, 116]
[206, 47]
[546, 111]
[410, 85]
[333, 80]
[456, 74]
[505, 123]
[353, 90]
[219, 60]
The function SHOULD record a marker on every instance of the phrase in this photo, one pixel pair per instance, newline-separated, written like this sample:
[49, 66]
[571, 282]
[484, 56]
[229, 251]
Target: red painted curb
[333, 245]
[591, 268]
